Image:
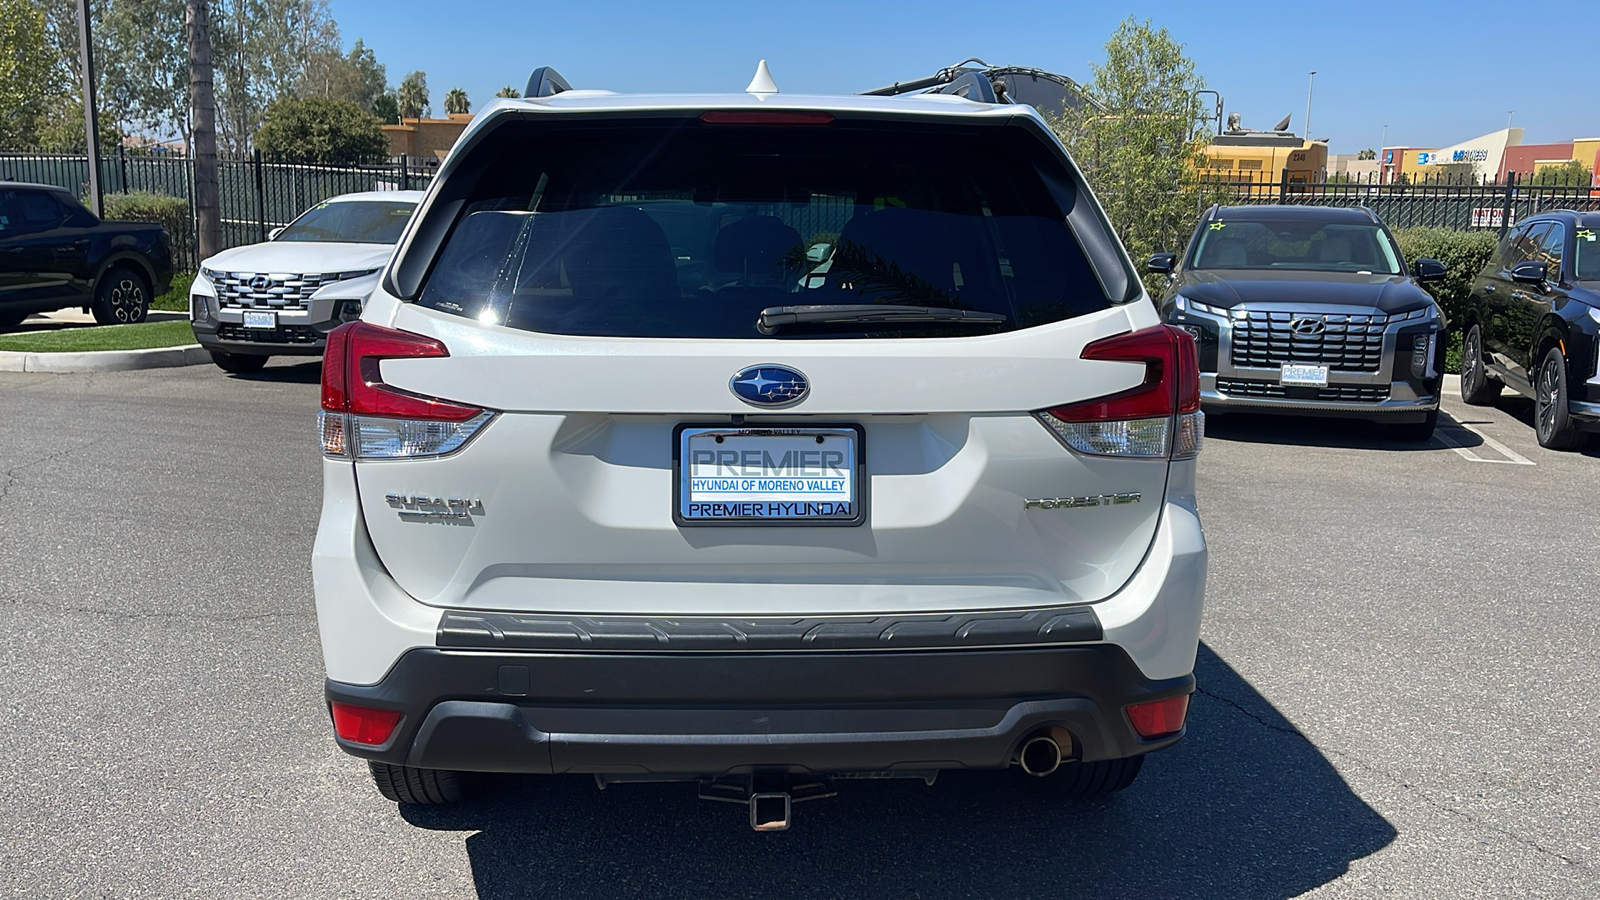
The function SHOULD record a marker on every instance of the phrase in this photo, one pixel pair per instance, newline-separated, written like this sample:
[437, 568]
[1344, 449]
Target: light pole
[1509, 115]
[1309, 86]
[90, 114]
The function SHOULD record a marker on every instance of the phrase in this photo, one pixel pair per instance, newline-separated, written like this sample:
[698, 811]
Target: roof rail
[977, 80]
[546, 82]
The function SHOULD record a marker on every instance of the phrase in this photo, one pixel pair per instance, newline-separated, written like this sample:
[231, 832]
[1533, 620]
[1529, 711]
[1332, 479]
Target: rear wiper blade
[775, 317]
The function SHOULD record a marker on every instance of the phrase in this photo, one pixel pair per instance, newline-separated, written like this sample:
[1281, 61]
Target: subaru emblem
[770, 386]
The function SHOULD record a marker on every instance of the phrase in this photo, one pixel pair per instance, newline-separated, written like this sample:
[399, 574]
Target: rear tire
[1552, 422]
[1478, 387]
[121, 297]
[1091, 779]
[238, 363]
[424, 787]
[1417, 432]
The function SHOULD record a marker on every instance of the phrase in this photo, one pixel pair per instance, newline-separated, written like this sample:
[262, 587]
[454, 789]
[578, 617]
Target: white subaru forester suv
[758, 440]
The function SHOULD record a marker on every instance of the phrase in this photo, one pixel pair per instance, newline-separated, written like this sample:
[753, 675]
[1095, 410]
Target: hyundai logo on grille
[260, 283]
[1308, 327]
[770, 386]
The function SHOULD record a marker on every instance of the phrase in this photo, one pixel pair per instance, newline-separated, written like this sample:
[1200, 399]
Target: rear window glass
[1295, 244]
[683, 229]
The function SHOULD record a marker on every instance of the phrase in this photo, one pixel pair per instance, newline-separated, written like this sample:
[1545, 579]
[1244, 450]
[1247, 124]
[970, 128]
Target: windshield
[351, 221]
[684, 229]
[1289, 244]
[1586, 255]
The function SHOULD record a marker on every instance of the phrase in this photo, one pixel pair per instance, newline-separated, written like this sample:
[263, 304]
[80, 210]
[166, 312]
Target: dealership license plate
[265, 320]
[769, 476]
[1297, 375]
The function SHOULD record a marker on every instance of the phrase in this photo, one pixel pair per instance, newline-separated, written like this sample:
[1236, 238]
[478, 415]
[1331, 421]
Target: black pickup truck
[54, 254]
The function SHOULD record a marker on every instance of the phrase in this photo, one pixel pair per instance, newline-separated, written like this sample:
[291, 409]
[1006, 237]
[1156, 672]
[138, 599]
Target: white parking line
[1512, 457]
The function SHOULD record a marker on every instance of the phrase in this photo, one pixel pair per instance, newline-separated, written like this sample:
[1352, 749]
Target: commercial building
[1488, 157]
[426, 137]
[1240, 154]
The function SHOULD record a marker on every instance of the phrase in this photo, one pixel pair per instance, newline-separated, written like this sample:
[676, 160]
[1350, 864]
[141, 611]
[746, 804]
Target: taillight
[364, 418]
[1159, 718]
[363, 725]
[1159, 417]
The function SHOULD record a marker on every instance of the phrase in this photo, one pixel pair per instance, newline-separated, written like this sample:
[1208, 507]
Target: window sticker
[1218, 226]
[1587, 234]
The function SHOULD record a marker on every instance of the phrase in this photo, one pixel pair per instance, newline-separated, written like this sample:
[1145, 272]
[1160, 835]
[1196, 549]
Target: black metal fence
[255, 196]
[1460, 203]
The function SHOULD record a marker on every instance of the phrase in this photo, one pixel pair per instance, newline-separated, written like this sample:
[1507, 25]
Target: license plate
[266, 320]
[769, 476]
[1297, 375]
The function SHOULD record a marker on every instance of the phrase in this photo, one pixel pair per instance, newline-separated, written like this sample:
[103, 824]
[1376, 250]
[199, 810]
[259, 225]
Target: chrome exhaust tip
[1040, 755]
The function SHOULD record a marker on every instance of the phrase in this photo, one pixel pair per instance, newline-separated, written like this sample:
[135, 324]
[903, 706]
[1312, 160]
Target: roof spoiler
[974, 79]
[546, 82]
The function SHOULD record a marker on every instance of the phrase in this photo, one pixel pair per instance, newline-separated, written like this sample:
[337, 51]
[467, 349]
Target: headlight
[1186, 304]
[1594, 313]
[1431, 311]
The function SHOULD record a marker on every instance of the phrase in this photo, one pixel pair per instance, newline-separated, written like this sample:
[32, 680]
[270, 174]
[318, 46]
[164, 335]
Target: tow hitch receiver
[770, 798]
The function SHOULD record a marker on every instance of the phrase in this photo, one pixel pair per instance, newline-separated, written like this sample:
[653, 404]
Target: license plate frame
[1303, 375]
[259, 320]
[682, 495]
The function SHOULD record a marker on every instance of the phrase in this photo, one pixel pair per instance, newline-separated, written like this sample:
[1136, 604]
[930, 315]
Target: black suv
[1533, 322]
[1308, 310]
[54, 254]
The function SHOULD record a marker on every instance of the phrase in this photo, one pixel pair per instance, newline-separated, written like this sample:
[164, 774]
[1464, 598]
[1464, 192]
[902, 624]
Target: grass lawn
[178, 297]
[106, 337]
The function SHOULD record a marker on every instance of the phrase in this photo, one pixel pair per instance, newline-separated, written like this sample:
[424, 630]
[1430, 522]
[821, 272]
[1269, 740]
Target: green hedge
[171, 212]
[1464, 254]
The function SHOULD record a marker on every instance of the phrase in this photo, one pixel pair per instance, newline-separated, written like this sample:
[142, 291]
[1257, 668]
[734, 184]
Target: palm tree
[414, 95]
[456, 102]
[508, 91]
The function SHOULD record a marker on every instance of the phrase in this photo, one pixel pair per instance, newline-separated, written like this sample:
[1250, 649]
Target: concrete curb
[105, 360]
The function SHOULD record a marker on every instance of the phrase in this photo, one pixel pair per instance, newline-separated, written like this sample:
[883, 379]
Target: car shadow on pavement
[292, 370]
[1521, 408]
[1320, 431]
[1243, 807]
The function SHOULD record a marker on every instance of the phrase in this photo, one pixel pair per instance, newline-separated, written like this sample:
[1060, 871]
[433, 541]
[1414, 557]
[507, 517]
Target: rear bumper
[709, 714]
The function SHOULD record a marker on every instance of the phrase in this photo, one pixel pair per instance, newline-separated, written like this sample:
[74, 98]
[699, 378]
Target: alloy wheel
[1545, 398]
[127, 300]
[1472, 361]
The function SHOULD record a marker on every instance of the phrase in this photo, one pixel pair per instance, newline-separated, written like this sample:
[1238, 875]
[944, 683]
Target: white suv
[625, 475]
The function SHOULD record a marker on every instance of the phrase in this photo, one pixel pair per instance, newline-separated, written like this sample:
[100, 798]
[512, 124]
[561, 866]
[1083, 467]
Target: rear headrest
[753, 245]
[616, 252]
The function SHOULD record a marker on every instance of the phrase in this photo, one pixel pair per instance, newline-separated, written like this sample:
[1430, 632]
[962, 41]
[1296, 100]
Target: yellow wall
[1246, 163]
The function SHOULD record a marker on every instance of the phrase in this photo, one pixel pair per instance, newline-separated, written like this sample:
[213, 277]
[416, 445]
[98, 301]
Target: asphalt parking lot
[1398, 689]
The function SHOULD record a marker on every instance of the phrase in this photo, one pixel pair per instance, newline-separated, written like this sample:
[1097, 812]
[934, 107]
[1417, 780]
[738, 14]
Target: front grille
[1349, 393]
[255, 290]
[1346, 343]
[283, 334]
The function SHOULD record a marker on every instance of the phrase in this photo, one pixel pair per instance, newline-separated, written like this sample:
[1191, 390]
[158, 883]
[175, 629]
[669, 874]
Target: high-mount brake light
[765, 117]
[1160, 417]
[364, 418]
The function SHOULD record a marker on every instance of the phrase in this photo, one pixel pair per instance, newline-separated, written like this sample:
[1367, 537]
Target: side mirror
[273, 234]
[1530, 272]
[1426, 269]
[1162, 262]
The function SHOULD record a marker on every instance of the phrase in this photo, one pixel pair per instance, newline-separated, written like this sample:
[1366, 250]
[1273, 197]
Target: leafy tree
[1368, 153]
[508, 91]
[1141, 142]
[387, 109]
[321, 131]
[413, 96]
[61, 128]
[25, 72]
[1571, 173]
[356, 76]
[456, 102]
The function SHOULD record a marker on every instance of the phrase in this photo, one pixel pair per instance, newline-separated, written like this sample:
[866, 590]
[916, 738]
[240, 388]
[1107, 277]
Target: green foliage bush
[321, 131]
[143, 206]
[1464, 254]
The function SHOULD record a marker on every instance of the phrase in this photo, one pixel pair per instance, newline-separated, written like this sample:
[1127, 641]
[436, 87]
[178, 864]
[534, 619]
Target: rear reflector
[361, 725]
[765, 117]
[1159, 417]
[1159, 718]
[364, 418]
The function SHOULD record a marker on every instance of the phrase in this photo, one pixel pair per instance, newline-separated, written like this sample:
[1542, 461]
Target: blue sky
[1427, 70]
